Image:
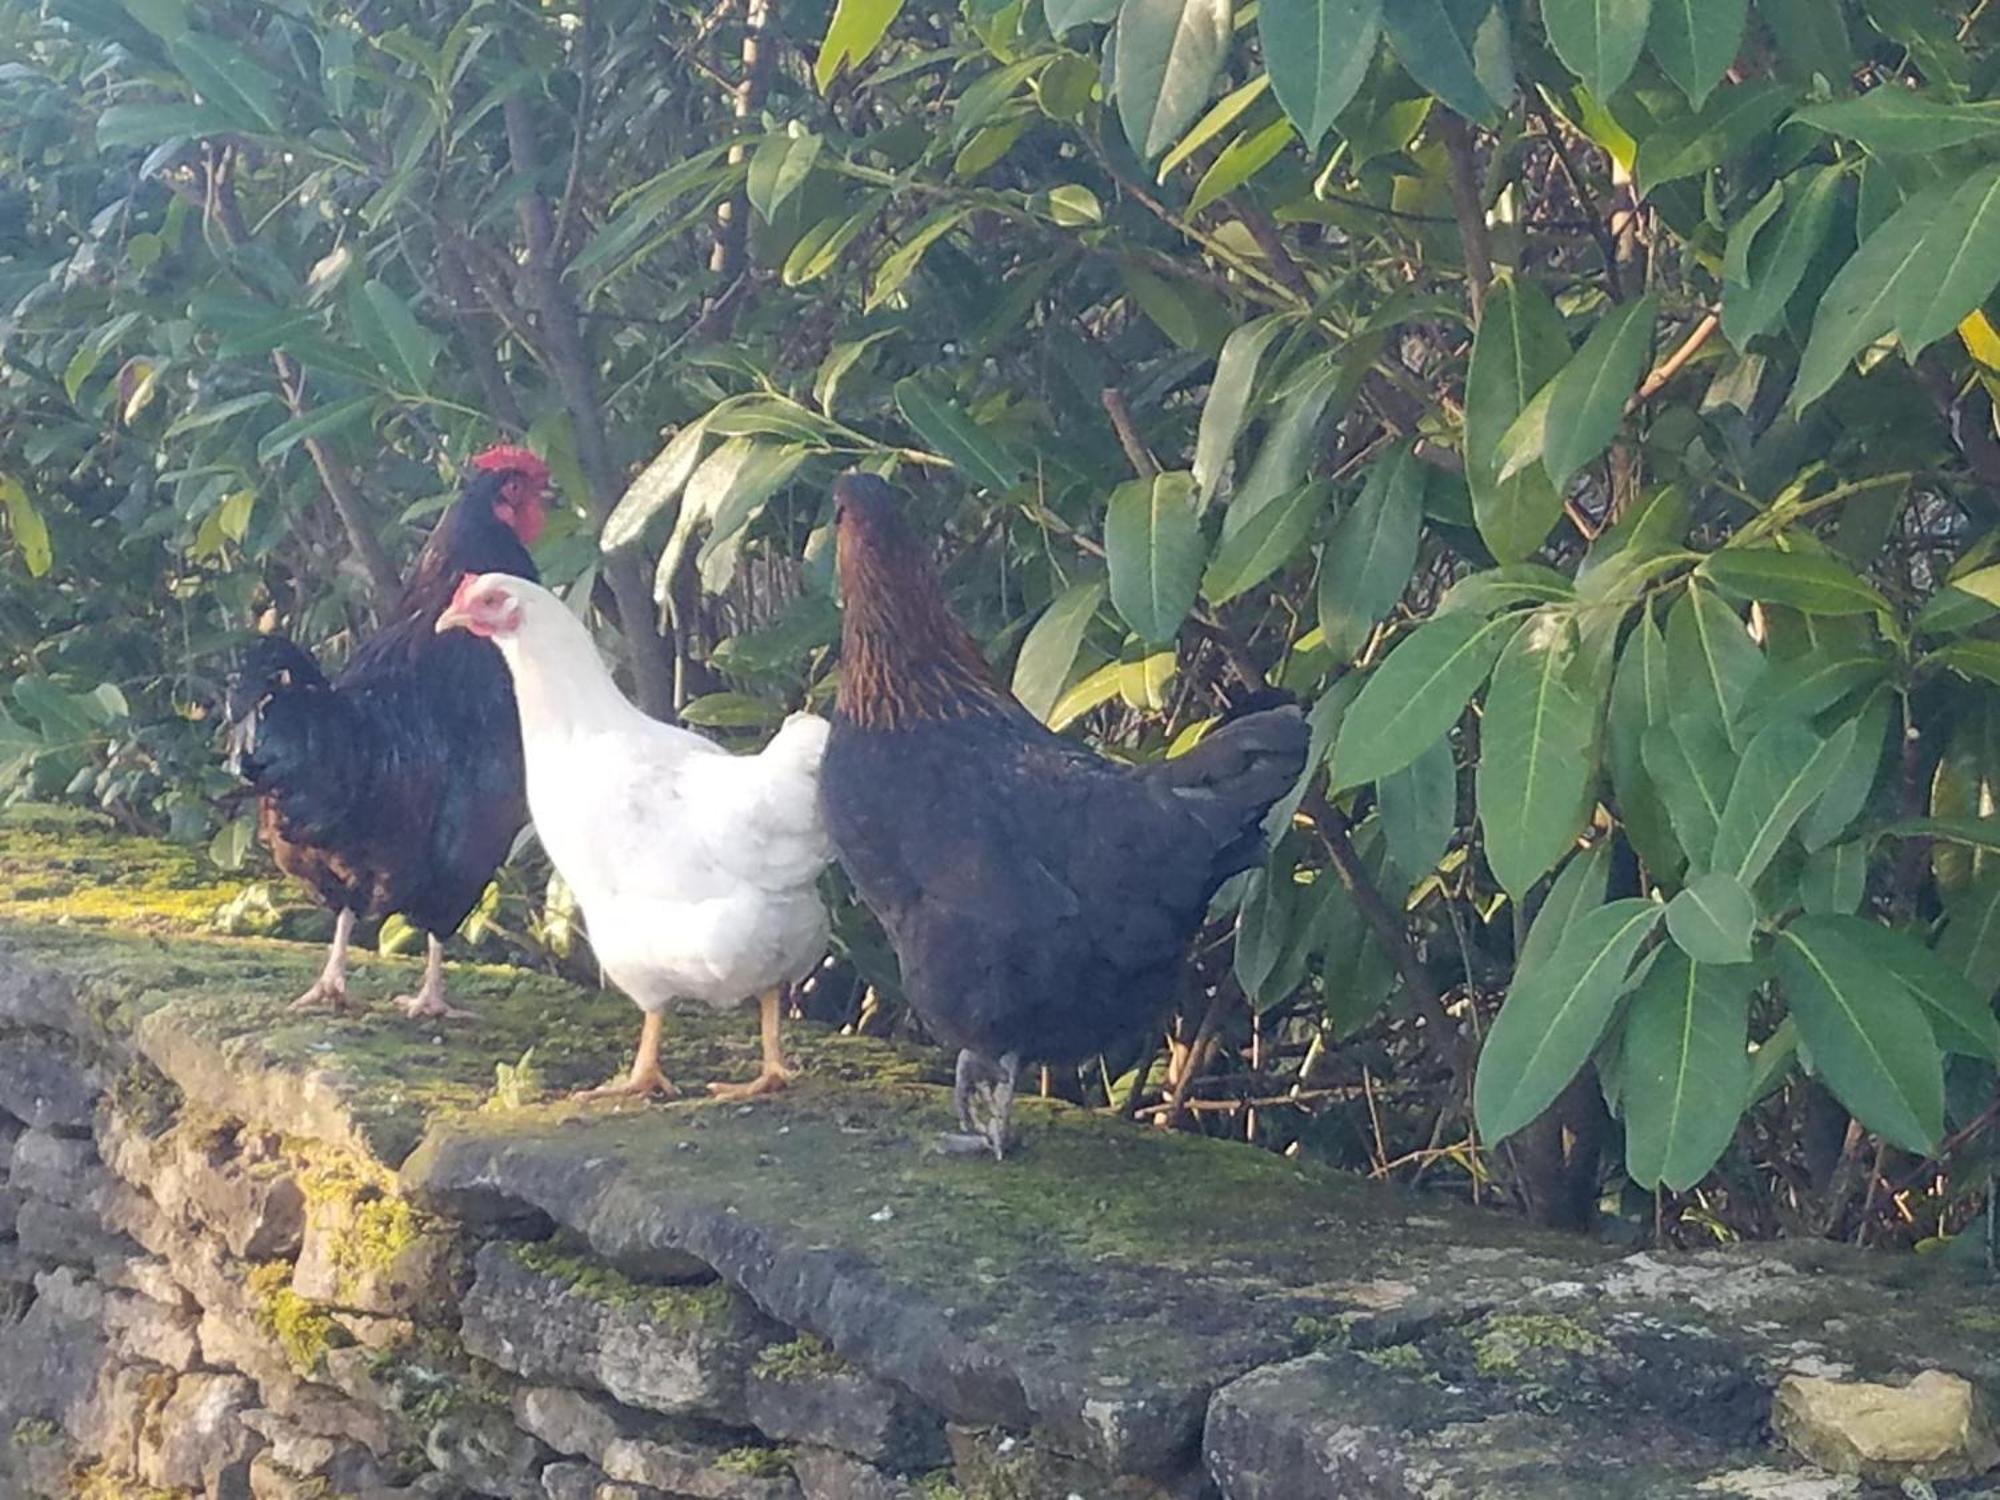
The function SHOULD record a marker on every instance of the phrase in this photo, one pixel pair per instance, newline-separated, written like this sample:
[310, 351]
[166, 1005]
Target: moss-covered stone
[802, 1358]
[304, 1330]
[1506, 1339]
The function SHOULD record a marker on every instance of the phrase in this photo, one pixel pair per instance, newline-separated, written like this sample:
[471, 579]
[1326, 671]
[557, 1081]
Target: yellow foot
[770, 1081]
[421, 1006]
[638, 1086]
[322, 996]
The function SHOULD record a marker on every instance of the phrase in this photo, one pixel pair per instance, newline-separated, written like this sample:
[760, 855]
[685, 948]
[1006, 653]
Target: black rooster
[398, 785]
[1040, 898]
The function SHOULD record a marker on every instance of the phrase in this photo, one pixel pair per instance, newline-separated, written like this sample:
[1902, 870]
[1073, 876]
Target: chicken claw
[646, 1080]
[329, 991]
[776, 1072]
[325, 995]
[429, 1001]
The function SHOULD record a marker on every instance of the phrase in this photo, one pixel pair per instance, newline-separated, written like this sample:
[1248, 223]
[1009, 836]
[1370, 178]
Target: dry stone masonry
[250, 1254]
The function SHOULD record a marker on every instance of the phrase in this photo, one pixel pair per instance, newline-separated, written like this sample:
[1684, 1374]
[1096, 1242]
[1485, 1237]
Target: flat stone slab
[1097, 1286]
[1130, 1302]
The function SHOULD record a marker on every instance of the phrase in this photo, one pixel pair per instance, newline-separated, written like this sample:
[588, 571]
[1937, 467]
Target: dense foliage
[1586, 409]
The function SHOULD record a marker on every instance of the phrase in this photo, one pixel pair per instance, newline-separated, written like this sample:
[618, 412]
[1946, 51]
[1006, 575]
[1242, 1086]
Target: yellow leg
[646, 1077]
[776, 1072]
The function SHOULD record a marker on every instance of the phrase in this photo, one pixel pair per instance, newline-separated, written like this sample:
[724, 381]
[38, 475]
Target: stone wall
[248, 1253]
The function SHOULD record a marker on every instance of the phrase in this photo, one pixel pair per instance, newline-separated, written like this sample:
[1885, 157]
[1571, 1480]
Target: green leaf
[1960, 265]
[1552, 1021]
[955, 435]
[1062, 15]
[1225, 112]
[1418, 806]
[1976, 833]
[899, 263]
[1457, 50]
[1961, 1015]
[318, 422]
[1798, 687]
[1691, 765]
[1280, 466]
[1368, 560]
[414, 347]
[1891, 119]
[1848, 787]
[1238, 162]
[730, 711]
[1153, 544]
[1527, 438]
[779, 168]
[1814, 582]
[1971, 941]
[1687, 1069]
[1577, 891]
[1049, 652]
[657, 486]
[222, 411]
[152, 125]
[1519, 348]
[1976, 661]
[1266, 924]
[856, 30]
[1416, 695]
[1228, 405]
[229, 81]
[1835, 879]
[1639, 700]
[1867, 1036]
[1267, 543]
[1695, 41]
[1860, 304]
[1711, 659]
[1166, 57]
[1784, 771]
[1811, 37]
[1593, 388]
[1712, 919]
[1598, 40]
[769, 468]
[30, 531]
[1317, 52]
[1536, 780]
[1727, 124]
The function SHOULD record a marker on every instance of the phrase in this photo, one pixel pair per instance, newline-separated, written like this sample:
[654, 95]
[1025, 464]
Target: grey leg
[1001, 1104]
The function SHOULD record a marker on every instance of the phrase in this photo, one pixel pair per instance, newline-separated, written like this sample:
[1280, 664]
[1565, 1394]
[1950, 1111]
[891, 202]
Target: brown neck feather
[904, 657]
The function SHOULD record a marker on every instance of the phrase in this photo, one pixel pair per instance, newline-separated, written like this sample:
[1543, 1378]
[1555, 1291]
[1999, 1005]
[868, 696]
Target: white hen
[695, 868]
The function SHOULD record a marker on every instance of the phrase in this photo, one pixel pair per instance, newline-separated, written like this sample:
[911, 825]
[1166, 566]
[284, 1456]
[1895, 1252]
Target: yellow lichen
[804, 1358]
[1506, 1337]
[675, 1306]
[303, 1329]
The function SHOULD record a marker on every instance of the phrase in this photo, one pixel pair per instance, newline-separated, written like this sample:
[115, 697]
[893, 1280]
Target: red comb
[506, 457]
[464, 588]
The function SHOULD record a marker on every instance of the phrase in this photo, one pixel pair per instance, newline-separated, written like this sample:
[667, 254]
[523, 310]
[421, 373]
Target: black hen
[398, 785]
[1040, 898]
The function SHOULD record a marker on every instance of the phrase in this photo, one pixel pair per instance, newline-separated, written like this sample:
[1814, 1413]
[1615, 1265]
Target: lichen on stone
[671, 1306]
[803, 1358]
[304, 1330]
[756, 1463]
[1503, 1339]
[938, 1484]
[35, 1432]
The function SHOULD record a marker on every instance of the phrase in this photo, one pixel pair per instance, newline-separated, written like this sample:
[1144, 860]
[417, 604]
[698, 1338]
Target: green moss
[1505, 1338]
[805, 1358]
[35, 1432]
[66, 865]
[147, 1097]
[671, 1306]
[1980, 1320]
[938, 1484]
[756, 1463]
[1315, 1333]
[379, 1225]
[1407, 1358]
[304, 1330]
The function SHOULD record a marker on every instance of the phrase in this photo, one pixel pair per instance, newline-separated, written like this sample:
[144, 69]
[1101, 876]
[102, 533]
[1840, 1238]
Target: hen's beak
[453, 618]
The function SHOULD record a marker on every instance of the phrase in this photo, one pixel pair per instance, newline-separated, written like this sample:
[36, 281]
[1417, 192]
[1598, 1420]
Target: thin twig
[1120, 411]
[1674, 363]
[1465, 198]
[1599, 229]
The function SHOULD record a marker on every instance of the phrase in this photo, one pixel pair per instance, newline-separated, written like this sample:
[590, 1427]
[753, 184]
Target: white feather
[696, 869]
